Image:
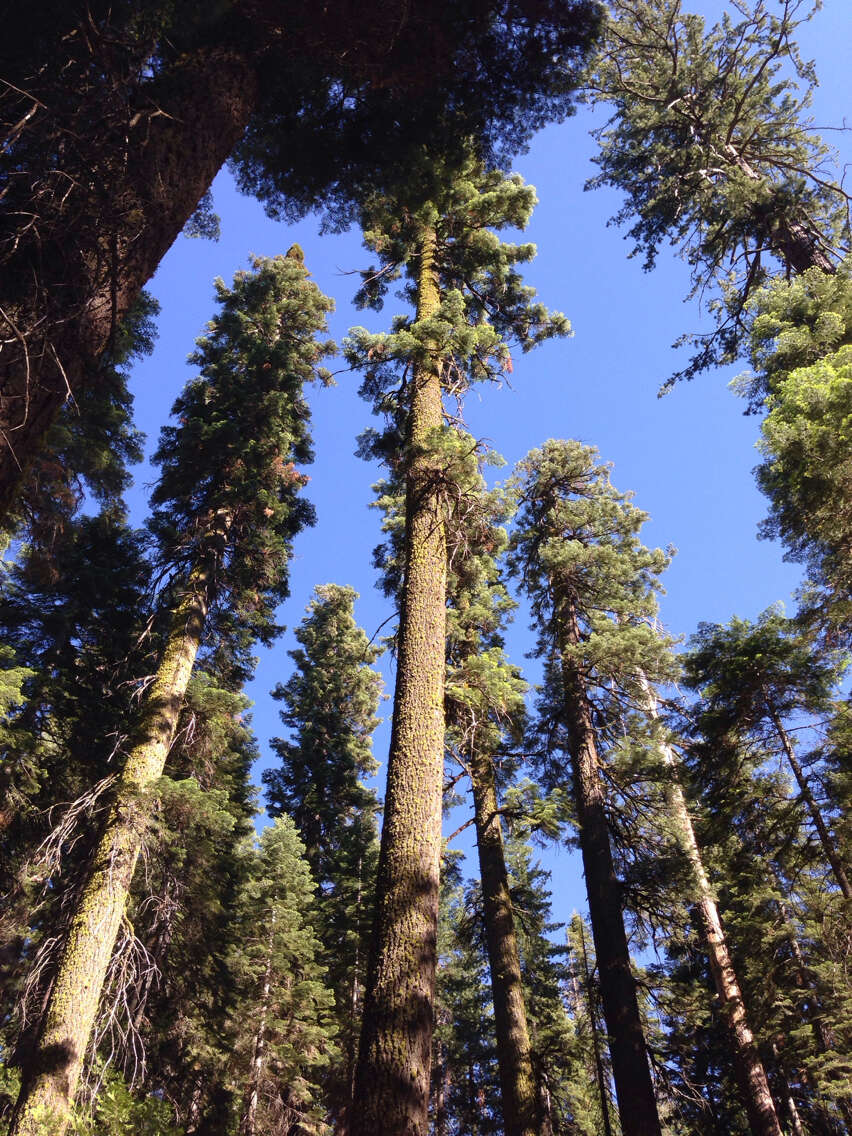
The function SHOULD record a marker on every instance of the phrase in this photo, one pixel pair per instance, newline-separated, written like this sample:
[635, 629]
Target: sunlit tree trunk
[393, 1076]
[517, 1081]
[51, 1077]
[750, 1073]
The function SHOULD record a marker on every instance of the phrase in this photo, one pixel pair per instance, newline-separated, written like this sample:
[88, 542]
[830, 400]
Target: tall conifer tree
[225, 511]
[469, 308]
[592, 586]
[330, 705]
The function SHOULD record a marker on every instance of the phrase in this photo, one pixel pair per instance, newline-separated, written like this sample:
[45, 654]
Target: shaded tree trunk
[96, 261]
[596, 1045]
[517, 1080]
[637, 1107]
[393, 1075]
[825, 838]
[52, 1074]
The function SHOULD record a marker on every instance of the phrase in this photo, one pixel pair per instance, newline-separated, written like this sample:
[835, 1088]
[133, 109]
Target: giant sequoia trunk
[94, 257]
[51, 1078]
[392, 1080]
[634, 1089]
[517, 1080]
[748, 1067]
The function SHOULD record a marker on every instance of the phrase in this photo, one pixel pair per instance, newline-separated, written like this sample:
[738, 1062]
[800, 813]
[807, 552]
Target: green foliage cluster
[710, 141]
[801, 357]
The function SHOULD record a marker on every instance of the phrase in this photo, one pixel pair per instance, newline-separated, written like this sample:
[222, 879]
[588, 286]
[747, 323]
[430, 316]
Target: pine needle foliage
[710, 140]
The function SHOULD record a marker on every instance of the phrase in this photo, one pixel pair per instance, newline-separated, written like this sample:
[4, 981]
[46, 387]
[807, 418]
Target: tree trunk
[796, 1128]
[596, 1045]
[248, 1121]
[831, 853]
[177, 139]
[634, 1089]
[392, 1081]
[748, 1067]
[442, 1119]
[517, 1081]
[51, 1077]
[799, 241]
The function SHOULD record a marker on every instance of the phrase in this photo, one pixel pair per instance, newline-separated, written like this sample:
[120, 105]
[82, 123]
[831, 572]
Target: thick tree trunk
[392, 1081]
[634, 1089]
[828, 846]
[99, 254]
[748, 1067]
[50, 1080]
[517, 1081]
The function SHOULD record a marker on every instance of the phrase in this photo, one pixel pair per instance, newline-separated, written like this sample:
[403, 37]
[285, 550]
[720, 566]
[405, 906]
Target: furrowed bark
[51, 1078]
[748, 1067]
[517, 1080]
[392, 1080]
[94, 265]
[634, 1089]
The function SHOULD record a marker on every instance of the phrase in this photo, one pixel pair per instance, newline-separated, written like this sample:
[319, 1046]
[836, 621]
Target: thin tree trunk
[634, 1089]
[748, 1067]
[248, 1121]
[441, 1112]
[393, 1077]
[831, 853]
[596, 1045]
[517, 1081]
[51, 1077]
[789, 1103]
[811, 1011]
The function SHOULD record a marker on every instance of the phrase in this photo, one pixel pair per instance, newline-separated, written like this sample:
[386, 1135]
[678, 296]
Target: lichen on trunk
[393, 1076]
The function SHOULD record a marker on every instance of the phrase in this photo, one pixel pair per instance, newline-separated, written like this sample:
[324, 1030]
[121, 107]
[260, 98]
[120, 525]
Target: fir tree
[226, 510]
[751, 1077]
[330, 706]
[592, 586]
[774, 878]
[800, 337]
[73, 626]
[284, 993]
[753, 678]
[469, 307]
[484, 706]
[183, 910]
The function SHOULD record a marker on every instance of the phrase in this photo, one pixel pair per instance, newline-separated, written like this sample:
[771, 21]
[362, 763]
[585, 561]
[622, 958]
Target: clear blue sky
[688, 457]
